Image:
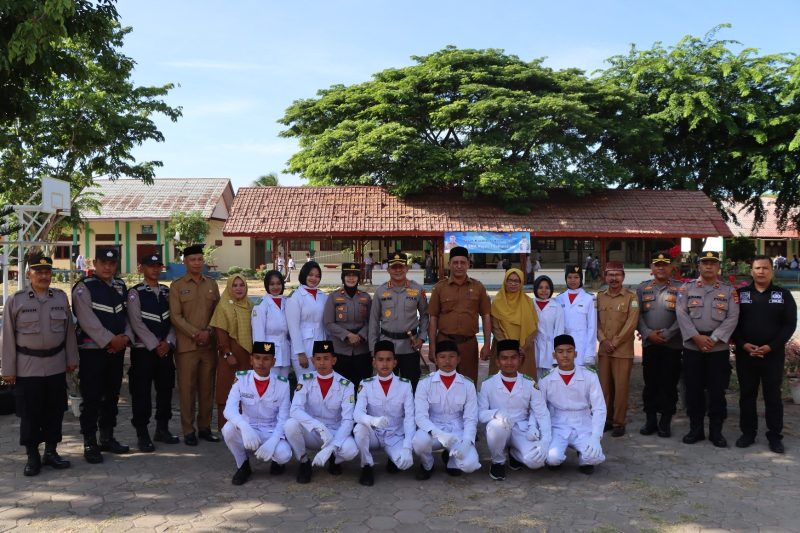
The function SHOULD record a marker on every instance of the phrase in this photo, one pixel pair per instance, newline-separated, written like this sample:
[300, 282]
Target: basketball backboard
[55, 196]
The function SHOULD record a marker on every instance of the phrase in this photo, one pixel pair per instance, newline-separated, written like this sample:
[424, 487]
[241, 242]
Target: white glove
[539, 452]
[405, 461]
[533, 434]
[379, 422]
[590, 361]
[250, 437]
[322, 456]
[324, 434]
[593, 449]
[504, 419]
[461, 449]
[448, 440]
[267, 449]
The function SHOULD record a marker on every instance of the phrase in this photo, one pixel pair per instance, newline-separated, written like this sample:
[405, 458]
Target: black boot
[650, 426]
[91, 451]
[367, 476]
[143, 440]
[52, 458]
[664, 429]
[696, 433]
[109, 444]
[34, 464]
[242, 474]
[304, 471]
[715, 434]
[163, 434]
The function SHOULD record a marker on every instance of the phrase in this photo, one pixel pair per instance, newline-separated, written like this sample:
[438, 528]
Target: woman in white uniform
[269, 322]
[551, 323]
[304, 311]
[580, 316]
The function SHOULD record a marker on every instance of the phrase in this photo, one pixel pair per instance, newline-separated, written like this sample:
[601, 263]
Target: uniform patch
[405, 380]
[776, 297]
[634, 304]
[745, 297]
[344, 381]
[242, 372]
[254, 313]
[352, 399]
[526, 376]
[283, 378]
[360, 388]
[308, 376]
[299, 386]
[131, 296]
[387, 313]
[368, 379]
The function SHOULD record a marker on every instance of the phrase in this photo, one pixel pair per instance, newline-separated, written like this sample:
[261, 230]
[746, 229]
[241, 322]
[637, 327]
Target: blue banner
[489, 242]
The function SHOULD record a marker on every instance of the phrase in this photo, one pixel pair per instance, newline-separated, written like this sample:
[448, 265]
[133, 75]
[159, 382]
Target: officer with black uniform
[103, 334]
[346, 317]
[400, 314]
[38, 347]
[708, 310]
[151, 355]
[767, 320]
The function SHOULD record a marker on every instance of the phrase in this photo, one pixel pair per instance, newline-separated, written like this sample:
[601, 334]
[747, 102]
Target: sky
[237, 65]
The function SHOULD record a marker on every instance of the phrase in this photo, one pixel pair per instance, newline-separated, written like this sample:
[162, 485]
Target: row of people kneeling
[534, 422]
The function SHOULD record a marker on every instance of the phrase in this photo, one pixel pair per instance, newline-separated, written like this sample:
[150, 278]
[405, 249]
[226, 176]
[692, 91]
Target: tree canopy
[267, 180]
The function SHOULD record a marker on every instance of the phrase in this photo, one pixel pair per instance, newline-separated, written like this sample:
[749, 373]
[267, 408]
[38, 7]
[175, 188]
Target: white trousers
[498, 438]
[367, 439]
[424, 446]
[233, 439]
[300, 438]
[564, 437]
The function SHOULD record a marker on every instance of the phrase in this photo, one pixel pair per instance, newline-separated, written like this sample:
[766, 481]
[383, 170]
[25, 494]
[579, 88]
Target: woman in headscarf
[231, 321]
[513, 317]
[551, 323]
[304, 316]
[269, 322]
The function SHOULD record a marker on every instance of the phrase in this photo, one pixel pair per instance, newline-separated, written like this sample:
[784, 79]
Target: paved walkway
[647, 484]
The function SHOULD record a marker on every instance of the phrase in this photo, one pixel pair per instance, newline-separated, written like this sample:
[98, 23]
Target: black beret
[572, 269]
[446, 346]
[459, 251]
[383, 346]
[507, 344]
[563, 339]
[193, 249]
[264, 347]
[323, 347]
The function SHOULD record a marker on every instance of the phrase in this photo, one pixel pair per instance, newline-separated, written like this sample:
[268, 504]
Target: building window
[237, 242]
[61, 252]
[575, 244]
[300, 245]
[335, 245]
[219, 242]
[147, 229]
[544, 244]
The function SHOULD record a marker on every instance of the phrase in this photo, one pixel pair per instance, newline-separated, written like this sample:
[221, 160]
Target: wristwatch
[227, 354]
[714, 338]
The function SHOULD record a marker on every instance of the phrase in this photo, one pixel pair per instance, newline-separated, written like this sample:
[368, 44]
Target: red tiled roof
[371, 211]
[126, 199]
[769, 230]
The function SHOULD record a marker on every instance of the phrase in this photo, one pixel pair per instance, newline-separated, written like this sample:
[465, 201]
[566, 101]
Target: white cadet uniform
[304, 317]
[265, 414]
[397, 406]
[311, 414]
[577, 415]
[517, 419]
[551, 325]
[580, 321]
[449, 415]
[269, 325]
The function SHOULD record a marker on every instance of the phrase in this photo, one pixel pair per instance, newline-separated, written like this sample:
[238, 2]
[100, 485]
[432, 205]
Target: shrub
[234, 270]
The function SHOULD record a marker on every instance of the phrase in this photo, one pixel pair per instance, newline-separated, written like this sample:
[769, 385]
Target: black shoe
[207, 435]
[650, 426]
[304, 472]
[694, 435]
[51, 458]
[607, 427]
[334, 468]
[513, 464]
[34, 464]
[618, 431]
[367, 476]
[497, 471]
[243, 474]
[163, 434]
[276, 469]
[91, 451]
[664, 426]
[112, 445]
[776, 446]
[144, 442]
[553, 467]
[717, 440]
[424, 474]
[744, 441]
[586, 469]
[445, 457]
[190, 439]
[391, 467]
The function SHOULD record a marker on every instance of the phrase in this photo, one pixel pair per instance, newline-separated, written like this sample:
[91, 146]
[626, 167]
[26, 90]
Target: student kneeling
[264, 402]
[577, 408]
[446, 411]
[321, 416]
[515, 413]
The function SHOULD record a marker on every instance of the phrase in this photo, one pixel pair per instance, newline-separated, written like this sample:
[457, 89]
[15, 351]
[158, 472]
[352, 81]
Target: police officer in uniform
[708, 310]
[661, 346]
[38, 348]
[103, 334]
[767, 320]
[151, 355]
[400, 314]
[346, 316]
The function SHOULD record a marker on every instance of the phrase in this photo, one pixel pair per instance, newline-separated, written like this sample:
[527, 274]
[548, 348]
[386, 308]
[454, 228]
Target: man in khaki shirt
[192, 300]
[617, 317]
[454, 308]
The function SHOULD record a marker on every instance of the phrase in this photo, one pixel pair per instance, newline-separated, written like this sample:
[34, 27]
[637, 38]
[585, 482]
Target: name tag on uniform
[776, 297]
[248, 395]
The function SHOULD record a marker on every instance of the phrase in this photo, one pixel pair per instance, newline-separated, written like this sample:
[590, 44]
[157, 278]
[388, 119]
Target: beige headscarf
[233, 316]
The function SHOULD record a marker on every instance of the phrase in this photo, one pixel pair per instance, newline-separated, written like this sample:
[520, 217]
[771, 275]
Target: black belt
[354, 331]
[706, 333]
[49, 352]
[393, 335]
[458, 339]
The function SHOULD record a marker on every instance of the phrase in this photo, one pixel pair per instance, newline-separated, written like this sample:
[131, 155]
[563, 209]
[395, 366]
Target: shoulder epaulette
[283, 378]
[546, 373]
[344, 381]
[526, 376]
[468, 379]
[405, 380]
[308, 376]
[242, 372]
[369, 379]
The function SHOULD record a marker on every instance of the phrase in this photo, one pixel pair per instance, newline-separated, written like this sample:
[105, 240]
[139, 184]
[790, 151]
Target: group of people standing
[551, 384]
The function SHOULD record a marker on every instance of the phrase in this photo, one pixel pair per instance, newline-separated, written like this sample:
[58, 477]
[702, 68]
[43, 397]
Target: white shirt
[304, 317]
[454, 410]
[268, 412]
[269, 325]
[580, 321]
[524, 403]
[335, 411]
[397, 406]
[578, 406]
[551, 325]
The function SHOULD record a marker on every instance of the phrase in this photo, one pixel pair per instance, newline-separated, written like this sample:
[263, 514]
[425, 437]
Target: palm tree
[267, 180]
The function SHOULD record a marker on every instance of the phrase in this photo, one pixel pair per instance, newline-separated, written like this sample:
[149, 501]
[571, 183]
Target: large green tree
[718, 118]
[480, 121]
